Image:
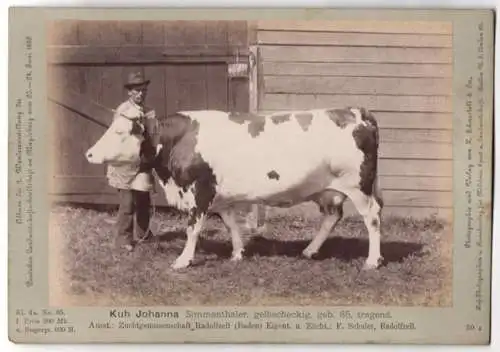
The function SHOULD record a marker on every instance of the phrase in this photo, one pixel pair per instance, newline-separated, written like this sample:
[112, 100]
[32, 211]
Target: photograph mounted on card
[286, 176]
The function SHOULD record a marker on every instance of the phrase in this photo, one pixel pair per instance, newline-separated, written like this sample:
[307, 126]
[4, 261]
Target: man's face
[138, 94]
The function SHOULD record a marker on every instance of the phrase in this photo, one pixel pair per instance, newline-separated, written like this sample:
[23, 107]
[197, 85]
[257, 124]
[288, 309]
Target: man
[134, 182]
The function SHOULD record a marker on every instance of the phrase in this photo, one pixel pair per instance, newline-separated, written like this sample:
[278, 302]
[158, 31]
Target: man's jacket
[136, 177]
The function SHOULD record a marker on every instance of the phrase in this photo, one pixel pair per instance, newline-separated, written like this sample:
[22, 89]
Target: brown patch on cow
[239, 118]
[204, 185]
[172, 128]
[273, 175]
[256, 127]
[341, 117]
[367, 116]
[256, 122]
[377, 193]
[367, 140]
[304, 119]
[179, 160]
[151, 130]
[280, 118]
[194, 216]
[182, 155]
[137, 129]
[178, 136]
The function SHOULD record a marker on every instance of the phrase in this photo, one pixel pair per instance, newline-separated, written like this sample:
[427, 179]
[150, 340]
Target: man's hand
[151, 114]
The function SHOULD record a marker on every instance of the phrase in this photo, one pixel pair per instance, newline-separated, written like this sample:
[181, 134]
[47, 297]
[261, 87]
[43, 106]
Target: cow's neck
[181, 167]
[172, 129]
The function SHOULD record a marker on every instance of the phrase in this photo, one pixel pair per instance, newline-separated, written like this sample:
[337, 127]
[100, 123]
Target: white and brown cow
[212, 160]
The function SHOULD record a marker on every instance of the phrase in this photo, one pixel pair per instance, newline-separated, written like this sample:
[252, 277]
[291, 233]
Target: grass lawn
[417, 272]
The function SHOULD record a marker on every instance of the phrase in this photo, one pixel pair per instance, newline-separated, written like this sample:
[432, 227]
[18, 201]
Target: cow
[210, 161]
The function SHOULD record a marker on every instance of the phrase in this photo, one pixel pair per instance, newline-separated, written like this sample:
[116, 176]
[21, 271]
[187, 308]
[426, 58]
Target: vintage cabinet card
[222, 175]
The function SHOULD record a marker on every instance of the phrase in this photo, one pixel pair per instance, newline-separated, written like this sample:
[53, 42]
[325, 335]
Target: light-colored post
[256, 219]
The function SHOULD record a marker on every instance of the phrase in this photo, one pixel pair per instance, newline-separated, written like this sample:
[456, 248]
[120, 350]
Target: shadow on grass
[342, 248]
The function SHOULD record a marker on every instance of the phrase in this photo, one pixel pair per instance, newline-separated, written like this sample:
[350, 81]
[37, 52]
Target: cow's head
[120, 143]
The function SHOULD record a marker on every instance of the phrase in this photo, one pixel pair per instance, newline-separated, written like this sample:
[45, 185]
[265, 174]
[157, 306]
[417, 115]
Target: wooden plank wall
[186, 62]
[401, 71]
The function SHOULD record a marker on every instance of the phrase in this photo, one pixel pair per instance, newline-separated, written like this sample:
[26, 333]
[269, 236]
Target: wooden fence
[88, 62]
[402, 71]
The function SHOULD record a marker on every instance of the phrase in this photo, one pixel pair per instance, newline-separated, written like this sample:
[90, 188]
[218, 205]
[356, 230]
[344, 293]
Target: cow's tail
[368, 117]
[377, 192]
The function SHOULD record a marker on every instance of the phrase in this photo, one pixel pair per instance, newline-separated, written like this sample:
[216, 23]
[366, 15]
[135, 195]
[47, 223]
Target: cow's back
[260, 156]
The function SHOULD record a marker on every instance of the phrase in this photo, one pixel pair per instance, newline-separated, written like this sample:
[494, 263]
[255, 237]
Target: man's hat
[135, 79]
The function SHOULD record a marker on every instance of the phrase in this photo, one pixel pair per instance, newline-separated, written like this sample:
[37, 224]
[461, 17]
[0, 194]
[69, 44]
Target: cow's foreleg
[195, 223]
[330, 203]
[229, 219]
[370, 208]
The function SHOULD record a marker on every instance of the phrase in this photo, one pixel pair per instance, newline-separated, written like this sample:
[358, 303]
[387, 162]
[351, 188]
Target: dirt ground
[88, 270]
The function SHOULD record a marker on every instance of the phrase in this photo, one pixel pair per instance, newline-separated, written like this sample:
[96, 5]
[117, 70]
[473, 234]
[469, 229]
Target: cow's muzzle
[90, 155]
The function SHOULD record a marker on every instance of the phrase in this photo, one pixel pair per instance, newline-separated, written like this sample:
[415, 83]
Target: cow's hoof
[309, 254]
[371, 265]
[181, 264]
[236, 257]
[128, 247]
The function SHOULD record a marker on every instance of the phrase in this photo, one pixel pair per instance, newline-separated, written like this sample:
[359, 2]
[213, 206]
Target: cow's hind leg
[330, 203]
[195, 223]
[369, 206]
[229, 219]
